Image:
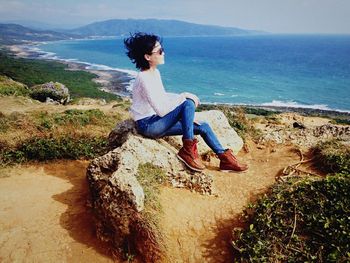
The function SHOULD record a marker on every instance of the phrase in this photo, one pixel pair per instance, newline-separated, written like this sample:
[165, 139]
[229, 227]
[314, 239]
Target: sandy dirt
[10, 104]
[44, 216]
[198, 228]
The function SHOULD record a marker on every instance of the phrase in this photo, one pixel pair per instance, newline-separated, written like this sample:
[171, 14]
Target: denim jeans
[179, 122]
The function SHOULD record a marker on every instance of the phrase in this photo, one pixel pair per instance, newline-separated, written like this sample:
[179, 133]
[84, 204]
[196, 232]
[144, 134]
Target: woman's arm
[161, 101]
[192, 97]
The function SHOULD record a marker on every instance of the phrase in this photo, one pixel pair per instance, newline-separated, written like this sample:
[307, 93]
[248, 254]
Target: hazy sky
[276, 16]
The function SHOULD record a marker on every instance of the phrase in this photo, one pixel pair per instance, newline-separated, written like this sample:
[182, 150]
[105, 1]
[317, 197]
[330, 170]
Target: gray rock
[306, 137]
[51, 92]
[118, 198]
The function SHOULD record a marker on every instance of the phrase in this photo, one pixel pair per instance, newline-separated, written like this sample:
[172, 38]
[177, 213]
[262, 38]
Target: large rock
[51, 92]
[216, 119]
[117, 196]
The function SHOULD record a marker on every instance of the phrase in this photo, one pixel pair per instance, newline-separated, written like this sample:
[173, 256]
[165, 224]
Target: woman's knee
[189, 103]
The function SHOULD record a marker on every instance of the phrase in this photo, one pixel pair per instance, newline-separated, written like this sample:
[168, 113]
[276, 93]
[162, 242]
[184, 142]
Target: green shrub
[299, 221]
[340, 121]
[260, 112]
[8, 87]
[48, 148]
[78, 118]
[333, 156]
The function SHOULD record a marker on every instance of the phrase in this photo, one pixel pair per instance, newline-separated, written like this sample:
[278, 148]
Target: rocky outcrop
[51, 92]
[117, 196]
[308, 136]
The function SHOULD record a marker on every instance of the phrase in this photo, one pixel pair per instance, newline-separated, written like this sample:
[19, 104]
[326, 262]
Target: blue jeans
[179, 122]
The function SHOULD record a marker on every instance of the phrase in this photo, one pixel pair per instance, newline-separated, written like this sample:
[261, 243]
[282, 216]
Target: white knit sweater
[149, 96]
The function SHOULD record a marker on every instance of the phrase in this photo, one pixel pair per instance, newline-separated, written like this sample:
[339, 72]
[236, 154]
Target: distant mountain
[36, 25]
[121, 27]
[14, 34]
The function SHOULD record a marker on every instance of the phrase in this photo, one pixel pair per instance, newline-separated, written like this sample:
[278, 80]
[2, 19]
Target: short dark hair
[139, 44]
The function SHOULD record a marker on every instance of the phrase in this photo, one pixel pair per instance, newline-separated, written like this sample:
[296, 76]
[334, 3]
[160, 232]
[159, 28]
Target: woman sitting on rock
[158, 113]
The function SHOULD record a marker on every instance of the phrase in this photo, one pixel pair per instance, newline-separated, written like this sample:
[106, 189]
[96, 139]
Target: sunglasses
[159, 51]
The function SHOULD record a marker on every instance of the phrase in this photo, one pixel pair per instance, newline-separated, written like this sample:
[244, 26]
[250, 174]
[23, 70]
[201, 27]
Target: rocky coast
[119, 82]
[47, 208]
[113, 81]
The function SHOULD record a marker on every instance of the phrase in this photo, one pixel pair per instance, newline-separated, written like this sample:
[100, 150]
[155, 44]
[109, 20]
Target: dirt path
[44, 218]
[43, 215]
[198, 228]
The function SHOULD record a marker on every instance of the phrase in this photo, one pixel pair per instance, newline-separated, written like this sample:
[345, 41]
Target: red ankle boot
[189, 155]
[228, 162]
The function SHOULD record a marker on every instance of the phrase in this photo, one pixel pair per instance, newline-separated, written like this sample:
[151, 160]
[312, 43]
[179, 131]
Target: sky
[275, 16]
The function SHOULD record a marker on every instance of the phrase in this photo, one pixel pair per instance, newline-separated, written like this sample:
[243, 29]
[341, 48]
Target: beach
[112, 81]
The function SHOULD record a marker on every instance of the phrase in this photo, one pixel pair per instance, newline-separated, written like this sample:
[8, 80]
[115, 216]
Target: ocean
[308, 71]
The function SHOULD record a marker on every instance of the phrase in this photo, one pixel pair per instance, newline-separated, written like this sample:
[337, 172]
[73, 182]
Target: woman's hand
[192, 97]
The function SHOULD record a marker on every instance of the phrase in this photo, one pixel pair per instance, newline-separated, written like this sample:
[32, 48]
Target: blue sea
[309, 71]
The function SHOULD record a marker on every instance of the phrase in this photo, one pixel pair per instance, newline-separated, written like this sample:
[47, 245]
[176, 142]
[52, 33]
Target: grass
[340, 121]
[298, 221]
[302, 220]
[72, 134]
[333, 156]
[9, 87]
[237, 118]
[149, 237]
[32, 72]
[50, 148]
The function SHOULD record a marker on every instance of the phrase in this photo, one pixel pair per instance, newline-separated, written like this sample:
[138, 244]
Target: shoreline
[111, 80]
[118, 82]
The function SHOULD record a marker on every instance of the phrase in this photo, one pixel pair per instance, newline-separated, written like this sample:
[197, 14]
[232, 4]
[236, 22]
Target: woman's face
[157, 56]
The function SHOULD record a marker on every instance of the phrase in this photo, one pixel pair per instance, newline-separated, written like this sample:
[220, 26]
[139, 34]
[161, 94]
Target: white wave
[293, 104]
[234, 95]
[94, 66]
[219, 94]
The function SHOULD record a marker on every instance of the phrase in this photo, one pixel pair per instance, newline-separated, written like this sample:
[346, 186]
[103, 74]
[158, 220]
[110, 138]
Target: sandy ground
[10, 104]
[44, 216]
[198, 228]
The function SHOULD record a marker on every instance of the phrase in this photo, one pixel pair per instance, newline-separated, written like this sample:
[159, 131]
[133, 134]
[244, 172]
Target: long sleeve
[161, 101]
[149, 97]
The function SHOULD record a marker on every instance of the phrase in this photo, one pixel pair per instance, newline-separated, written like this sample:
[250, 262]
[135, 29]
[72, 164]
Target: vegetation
[32, 72]
[299, 221]
[49, 148]
[8, 87]
[150, 177]
[237, 119]
[333, 156]
[302, 220]
[71, 134]
[340, 121]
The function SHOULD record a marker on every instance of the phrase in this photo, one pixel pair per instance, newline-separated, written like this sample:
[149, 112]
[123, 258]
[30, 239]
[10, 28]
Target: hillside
[14, 34]
[55, 193]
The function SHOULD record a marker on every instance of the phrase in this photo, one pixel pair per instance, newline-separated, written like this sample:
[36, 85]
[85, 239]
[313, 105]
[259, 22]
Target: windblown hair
[138, 45]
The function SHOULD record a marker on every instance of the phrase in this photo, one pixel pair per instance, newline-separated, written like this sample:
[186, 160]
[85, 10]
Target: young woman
[158, 113]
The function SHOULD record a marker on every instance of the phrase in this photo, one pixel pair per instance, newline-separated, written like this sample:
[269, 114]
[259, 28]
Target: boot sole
[193, 169]
[233, 171]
